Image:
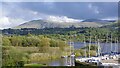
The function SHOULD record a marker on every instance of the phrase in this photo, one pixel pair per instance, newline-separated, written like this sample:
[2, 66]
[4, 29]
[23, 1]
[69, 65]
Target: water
[105, 47]
[61, 62]
[57, 62]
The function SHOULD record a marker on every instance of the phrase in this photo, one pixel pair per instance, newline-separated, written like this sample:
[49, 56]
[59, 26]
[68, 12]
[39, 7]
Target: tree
[61, 44]
[16, 41]
[44, 44]
[6, 41]
[53, 43]
[12, 57]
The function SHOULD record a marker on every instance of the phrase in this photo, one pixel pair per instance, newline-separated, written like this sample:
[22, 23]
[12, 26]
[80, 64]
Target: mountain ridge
[40, 24]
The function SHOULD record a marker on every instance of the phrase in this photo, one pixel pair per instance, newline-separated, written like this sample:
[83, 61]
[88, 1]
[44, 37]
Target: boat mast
[115, 45]
[85, 47]
[73, 63]
[98, 48]
[72, 55]
[70, 49]
[74, 43]
[96, 45]
[66, 57]
[111, 43]
[106, 43]
[70, 52]
[89, 46]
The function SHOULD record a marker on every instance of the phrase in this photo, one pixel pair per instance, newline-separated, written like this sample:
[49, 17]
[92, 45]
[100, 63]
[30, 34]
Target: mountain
[52, 24]
[99, 21]
[114, 25]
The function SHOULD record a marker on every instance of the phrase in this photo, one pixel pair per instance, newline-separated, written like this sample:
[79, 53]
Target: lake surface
[61, 62]
[105, 47]
[58, 62]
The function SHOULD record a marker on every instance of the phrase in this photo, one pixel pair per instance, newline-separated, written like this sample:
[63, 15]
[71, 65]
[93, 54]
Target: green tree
[16, 41]
[11, 56]
[44, 44]
[6, 41]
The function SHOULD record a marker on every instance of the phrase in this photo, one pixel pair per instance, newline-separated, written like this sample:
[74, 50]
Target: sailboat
[72, 45]
[86, 59]
[117, 53]
[96, 43]
[116, 46]
[72, 56]
[99, 49]
[114, 56]
[83, 59]
[68, 61]
[106, 44]
[105, 56]
[91, 59]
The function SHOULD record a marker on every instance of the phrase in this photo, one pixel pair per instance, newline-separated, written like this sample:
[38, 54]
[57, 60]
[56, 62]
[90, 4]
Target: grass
[34, 65]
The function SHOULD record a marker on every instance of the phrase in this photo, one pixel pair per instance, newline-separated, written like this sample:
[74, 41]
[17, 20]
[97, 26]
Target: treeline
[35, 31]
[101, 33]
[32, 41]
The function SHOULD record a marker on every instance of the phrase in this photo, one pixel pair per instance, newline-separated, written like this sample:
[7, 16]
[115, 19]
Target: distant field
[34, 65]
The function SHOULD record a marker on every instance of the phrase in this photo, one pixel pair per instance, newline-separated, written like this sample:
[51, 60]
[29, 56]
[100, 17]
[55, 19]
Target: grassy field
[34, 65]
[30, 54]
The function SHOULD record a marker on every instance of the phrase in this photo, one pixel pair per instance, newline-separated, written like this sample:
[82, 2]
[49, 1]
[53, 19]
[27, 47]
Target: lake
[105, 47]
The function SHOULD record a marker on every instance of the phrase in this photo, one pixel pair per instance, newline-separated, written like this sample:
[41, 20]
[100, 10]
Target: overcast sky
[15, 13]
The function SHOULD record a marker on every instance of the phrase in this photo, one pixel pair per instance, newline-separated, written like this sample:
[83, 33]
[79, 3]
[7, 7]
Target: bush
[12, 57]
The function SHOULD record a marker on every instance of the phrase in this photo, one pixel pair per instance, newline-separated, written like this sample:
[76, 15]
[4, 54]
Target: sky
[16, 13]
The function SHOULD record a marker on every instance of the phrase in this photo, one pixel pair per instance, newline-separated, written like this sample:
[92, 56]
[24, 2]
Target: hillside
[112, 26]
[51, 24]
[99, 21]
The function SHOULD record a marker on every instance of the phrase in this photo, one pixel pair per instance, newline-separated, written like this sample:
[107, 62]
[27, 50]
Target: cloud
[16, 10]
[93, 8]
[60, 0]
[78, 10]
[16, 13]
[110, 18]
[90, 6]
[62, 19]
[6, 22]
